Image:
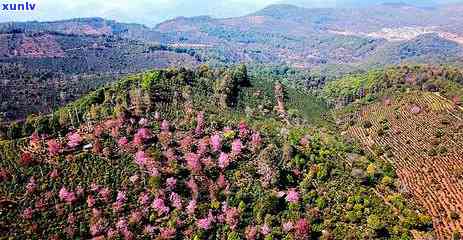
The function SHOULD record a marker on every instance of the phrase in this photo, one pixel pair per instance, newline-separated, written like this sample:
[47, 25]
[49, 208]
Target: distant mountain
[45, 65]
[85, 45]
[82, 27]
[368, 3]
[328, 41]
[79, 26]
[318, 37]
[277, 34]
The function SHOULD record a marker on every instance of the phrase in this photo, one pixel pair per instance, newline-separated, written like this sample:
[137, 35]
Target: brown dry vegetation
[40, 46]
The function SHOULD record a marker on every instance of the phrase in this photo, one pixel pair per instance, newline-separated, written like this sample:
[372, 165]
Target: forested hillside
[287, 123]
[153, 157]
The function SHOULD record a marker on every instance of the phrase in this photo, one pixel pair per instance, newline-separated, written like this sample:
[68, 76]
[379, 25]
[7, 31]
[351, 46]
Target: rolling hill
[285, 34]
[329, 42]
[45, 65]
[151, 156]
[287, 123]
[311, 38]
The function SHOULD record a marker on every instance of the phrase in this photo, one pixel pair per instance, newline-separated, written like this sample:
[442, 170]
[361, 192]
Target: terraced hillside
[421, 133]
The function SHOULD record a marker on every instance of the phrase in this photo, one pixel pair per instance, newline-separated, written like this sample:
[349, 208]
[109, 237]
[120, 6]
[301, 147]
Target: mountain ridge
[325, 41]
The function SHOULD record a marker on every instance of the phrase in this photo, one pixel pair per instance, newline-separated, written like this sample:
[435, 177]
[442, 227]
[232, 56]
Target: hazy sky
[151, 12]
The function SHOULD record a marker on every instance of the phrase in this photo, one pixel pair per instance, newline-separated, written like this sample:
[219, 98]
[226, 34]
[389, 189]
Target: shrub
[367, 124]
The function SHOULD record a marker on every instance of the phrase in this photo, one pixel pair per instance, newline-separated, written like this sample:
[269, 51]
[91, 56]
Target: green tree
[374, 222]
[14, 131]
[240, 74]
